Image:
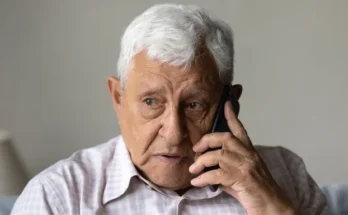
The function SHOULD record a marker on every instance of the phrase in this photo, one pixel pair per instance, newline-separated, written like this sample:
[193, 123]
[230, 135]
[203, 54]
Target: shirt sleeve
[312, 200]
[37, 198]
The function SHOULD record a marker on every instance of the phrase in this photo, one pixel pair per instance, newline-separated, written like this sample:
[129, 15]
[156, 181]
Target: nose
[173, 129]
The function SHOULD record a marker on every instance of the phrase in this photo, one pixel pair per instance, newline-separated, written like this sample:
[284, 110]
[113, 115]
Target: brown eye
[149, 101]
[196, 106]
[151, 107]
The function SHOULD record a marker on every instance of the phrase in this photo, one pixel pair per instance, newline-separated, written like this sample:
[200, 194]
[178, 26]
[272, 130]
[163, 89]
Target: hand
[241, 172]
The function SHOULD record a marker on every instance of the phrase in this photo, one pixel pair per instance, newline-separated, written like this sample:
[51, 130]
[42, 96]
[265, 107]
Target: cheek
[197, 130]
[200, 127]
[138, 133]
[147, 113]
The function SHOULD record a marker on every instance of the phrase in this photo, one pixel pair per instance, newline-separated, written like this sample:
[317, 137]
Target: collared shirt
[103, 180]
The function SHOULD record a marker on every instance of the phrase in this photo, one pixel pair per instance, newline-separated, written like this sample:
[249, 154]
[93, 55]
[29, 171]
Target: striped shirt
[103, 180]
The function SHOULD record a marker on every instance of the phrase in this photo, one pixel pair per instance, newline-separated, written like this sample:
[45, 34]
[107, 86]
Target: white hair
[172, 33]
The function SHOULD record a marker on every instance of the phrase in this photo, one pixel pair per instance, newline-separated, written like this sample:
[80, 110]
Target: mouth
[170, 159]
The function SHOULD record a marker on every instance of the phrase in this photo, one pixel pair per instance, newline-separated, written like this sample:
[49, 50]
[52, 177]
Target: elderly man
[174, 61]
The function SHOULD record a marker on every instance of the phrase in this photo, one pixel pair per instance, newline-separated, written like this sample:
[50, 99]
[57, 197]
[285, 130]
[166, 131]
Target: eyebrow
[197, 89]
[151, 90]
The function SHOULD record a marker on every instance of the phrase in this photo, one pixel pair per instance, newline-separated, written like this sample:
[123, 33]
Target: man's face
[163, 111]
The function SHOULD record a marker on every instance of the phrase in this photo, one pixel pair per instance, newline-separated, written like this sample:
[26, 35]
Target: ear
[115, 90]
[237, 90]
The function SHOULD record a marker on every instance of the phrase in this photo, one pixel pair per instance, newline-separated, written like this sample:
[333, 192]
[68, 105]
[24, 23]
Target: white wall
[291, 57]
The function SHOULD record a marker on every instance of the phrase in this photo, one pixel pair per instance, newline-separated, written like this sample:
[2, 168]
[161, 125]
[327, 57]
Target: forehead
[203, 69]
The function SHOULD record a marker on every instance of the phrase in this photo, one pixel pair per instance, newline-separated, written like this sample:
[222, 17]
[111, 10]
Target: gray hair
[172, 33]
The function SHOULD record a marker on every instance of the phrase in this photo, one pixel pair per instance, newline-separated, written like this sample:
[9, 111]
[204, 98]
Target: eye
[196, 106]
[149, 101]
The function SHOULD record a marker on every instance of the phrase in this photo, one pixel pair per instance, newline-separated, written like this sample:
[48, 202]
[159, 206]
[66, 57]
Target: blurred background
[291, 57]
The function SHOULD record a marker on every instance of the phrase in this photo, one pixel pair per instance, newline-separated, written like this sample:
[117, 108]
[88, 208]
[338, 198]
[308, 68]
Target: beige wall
[291, 57]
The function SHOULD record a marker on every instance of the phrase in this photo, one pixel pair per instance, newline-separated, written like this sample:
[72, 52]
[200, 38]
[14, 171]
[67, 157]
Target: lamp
[12, 174]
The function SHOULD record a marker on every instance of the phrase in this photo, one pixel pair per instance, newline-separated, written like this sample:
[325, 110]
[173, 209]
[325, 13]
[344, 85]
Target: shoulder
[79, 175]
[70, 182]
[284, 165]
[289, 171]
[275, 154]
[86, 161]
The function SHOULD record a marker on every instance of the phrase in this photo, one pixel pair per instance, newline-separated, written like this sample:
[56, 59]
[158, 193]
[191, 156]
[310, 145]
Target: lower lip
[170, 160]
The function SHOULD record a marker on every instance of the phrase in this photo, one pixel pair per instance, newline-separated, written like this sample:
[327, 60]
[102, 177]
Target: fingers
[224, 158]
[207, 178]
[223, 140]
[235, 152]
[217, 176]
[235, 125]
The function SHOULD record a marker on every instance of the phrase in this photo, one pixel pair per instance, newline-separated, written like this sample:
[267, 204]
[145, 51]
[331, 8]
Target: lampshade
[12, 175]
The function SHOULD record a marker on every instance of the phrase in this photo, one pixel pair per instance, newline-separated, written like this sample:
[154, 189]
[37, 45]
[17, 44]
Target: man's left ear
[237, 90]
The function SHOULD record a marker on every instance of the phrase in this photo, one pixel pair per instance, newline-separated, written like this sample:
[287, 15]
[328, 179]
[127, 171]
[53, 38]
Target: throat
[182, 192]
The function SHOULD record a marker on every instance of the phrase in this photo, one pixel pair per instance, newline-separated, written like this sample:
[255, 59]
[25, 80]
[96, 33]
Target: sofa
[6, 204]
[337, 196]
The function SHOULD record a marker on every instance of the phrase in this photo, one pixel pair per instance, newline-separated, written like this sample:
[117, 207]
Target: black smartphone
[220, 122]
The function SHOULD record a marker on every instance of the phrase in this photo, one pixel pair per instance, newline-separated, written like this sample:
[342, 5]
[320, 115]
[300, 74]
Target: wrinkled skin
[165, 115]
[164, 109]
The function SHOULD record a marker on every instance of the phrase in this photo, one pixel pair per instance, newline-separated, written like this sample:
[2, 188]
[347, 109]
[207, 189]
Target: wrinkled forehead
[203, 71]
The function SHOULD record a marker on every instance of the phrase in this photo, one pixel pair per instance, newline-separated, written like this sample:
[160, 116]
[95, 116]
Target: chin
[171, 183]
[171, 178]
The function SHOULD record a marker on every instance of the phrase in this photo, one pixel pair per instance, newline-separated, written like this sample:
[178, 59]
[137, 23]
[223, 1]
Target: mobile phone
[220, 122]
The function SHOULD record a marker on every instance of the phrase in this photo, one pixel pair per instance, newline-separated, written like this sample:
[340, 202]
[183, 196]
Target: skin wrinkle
[166, 113]
[161, 129]
[163, 132]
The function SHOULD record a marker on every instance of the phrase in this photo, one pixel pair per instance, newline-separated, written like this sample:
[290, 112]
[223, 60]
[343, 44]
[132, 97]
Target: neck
[182, 192]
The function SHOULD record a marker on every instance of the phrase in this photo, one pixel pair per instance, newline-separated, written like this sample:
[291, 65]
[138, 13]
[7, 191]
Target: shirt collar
[118, 172]
[121, 170]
